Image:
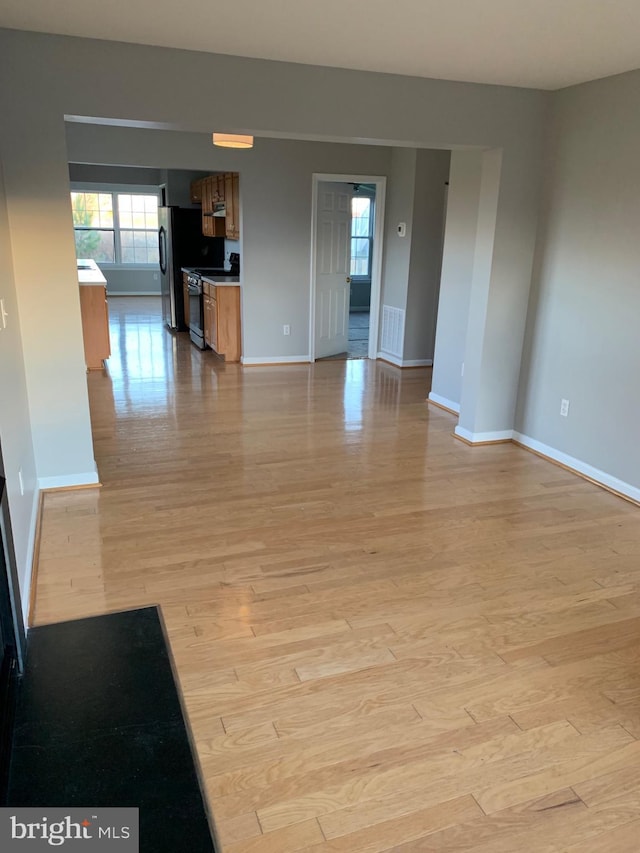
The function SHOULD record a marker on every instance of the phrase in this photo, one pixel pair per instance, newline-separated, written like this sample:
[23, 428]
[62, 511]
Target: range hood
[219, 209]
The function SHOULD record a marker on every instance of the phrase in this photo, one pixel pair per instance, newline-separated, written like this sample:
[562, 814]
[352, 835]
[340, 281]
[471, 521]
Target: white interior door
[333, 257]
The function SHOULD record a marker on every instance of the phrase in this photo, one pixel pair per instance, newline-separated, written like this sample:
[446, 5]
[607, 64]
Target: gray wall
[178, 185]
[432, 172]
[275, 194]
[399, 208]
[15, 427]
[582, 336]
[411, 264]
[457, 274]
[91, 173]
[182, 90]
[131, 282]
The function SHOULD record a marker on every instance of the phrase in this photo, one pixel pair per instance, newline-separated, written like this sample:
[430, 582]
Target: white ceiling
[544, 44]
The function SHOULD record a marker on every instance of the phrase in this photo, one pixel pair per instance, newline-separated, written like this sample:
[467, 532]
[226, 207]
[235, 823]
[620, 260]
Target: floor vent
[392, 330]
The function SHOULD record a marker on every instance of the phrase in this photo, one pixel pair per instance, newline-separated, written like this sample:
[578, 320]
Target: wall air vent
[392, 340]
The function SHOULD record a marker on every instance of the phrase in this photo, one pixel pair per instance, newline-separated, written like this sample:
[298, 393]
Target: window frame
[114, 190]
[372, 215]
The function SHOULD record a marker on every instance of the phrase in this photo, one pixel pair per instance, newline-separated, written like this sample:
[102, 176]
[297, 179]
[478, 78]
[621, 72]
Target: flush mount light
[232, 140]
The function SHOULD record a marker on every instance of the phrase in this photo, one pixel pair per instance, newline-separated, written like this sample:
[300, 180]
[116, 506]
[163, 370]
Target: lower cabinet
[95, 325]
[222, 320]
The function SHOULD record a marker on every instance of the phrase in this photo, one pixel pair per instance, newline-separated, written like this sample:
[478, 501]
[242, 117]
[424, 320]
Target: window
[116, 227]
[361, 236]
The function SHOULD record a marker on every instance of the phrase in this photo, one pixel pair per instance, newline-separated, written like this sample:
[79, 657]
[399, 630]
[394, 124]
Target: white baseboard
[484, 437]
[66, 481]
[417, 362]
[31, 544]
[443, 401]
[393, 359]
[406, 362]
[133, 293]
[276, 359]
[599, 477]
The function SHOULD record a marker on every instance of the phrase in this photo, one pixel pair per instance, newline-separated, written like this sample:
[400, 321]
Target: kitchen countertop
[219, 278]
[91, 276]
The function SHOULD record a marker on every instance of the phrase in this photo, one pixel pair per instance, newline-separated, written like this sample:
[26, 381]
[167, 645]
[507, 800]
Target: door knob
[348, 279]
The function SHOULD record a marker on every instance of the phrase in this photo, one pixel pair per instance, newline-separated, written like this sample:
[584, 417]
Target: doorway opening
[346, 255]
[363, 203]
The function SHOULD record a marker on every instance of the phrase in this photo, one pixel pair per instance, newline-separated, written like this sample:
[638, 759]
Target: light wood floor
[387, 640]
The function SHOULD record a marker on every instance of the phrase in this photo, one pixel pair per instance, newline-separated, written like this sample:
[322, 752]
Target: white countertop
[93, 275]
[222, 280]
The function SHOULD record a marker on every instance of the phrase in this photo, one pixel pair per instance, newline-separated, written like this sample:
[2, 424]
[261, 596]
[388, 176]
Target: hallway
[386, 639]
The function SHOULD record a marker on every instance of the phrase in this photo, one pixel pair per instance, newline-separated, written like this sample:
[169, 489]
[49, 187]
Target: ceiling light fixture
[232, 140]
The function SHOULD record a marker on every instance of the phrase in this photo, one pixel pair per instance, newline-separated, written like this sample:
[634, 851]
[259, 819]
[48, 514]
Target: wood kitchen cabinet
[217, 190]
[222, 320]
[95, 325]
[210, 321]
[232, 205]
[196, 191]
[212, 194]
[207, 207]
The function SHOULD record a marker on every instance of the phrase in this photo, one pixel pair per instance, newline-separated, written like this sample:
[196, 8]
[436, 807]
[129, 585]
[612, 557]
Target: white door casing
[333, 262]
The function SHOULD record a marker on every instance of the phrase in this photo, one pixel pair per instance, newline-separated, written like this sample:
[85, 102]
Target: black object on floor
[99, 723]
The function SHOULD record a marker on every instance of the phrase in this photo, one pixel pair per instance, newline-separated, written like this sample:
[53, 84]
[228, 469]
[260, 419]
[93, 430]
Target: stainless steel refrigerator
[181, 244]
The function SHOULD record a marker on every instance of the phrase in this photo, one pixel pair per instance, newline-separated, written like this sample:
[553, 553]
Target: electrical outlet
[564, 408]
[286, 329]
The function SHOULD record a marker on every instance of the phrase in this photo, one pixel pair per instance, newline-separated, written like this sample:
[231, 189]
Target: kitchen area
[193, 253]
[200, 278]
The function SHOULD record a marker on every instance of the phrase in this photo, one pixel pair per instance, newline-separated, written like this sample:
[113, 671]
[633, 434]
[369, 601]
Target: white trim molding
[404, 362]
[67, 481]
[113, 293]
[483, 437]
[248, 361]
[25, 594]
[417, 362]
[443, 401]
[600, 478]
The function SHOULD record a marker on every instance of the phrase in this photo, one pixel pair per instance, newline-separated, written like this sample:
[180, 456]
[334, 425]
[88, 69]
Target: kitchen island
[95, 313]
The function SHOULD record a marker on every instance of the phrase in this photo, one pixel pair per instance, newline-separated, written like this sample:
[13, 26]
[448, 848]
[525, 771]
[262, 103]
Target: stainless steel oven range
[196, 310]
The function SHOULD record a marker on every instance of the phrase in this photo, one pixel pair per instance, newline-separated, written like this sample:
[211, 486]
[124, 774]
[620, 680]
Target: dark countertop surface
[214, 275]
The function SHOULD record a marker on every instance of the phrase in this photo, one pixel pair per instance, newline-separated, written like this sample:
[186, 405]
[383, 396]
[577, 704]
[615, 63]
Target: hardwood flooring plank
[289, 838]
[404, 830]
[377, 629]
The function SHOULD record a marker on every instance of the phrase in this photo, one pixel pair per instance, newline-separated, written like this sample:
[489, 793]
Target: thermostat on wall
[402, 229]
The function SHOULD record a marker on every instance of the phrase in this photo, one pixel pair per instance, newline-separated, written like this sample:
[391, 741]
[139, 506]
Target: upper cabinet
[196, 191]
[218, 185]
[220, 199]
[232, 205]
